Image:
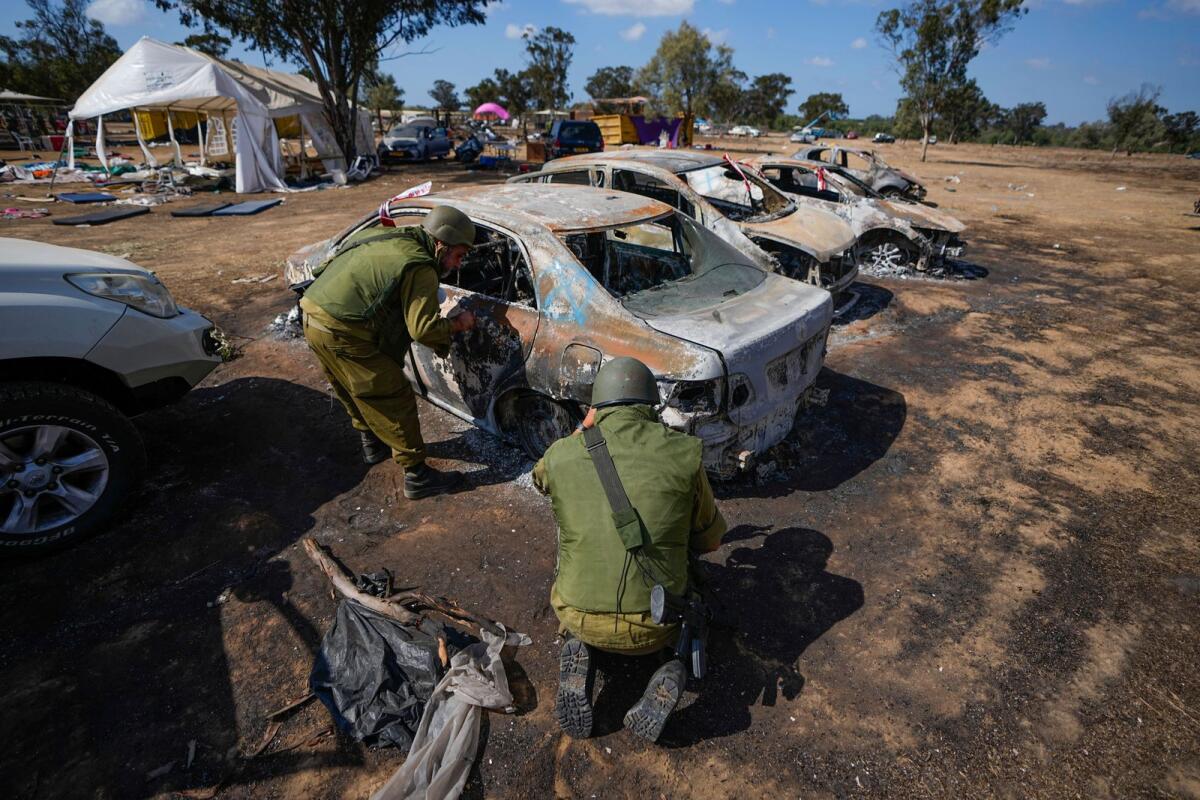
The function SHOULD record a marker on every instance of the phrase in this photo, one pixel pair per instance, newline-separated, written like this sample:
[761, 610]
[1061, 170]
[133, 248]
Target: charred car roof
[674, 160]
[561, 208]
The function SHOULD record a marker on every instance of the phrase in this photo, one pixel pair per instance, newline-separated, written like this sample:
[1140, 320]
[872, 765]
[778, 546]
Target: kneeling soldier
[631, 500]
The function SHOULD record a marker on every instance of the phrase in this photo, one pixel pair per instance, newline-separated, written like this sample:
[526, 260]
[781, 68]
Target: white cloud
[859, 43]
[716, 37]
[495, 5]
[1091, 80]
[819, 61]
[512, 31]
[770, 33]
[727, 2]
[118, 13]
[633, 32]
[1184, 6]
[1038, 63]
[636, 8]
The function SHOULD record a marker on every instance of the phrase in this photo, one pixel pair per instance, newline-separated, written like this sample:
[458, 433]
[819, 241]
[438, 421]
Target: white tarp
[153, 74]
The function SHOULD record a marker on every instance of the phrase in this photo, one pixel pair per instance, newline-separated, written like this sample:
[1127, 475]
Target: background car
[569, 136]
[868, 167]
[743, 208]
[415, 141]
[883, 138]
[745, 130]
[563, 278]
[86, 341]
[851, 134]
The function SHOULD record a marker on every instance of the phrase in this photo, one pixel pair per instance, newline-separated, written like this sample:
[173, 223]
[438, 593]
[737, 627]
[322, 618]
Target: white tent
[239, 101]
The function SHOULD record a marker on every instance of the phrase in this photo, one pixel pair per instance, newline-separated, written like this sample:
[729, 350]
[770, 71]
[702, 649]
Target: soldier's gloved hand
[462, 321]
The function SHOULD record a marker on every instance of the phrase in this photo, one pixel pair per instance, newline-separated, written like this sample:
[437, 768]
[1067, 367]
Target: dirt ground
[973, 573]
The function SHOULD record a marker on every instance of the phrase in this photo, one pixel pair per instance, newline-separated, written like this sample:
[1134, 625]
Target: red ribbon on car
[385, 213]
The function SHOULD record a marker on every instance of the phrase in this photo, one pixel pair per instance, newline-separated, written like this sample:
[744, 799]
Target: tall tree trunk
[924, 140]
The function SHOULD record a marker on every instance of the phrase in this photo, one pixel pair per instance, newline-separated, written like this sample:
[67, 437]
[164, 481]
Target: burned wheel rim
[888, 256]
[541, 421]
[50, 475]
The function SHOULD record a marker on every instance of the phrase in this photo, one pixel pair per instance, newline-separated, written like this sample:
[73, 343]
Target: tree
[767, 97]
[817, 104]
[516, 93]
[549, 52]
[933, 41]
[486, 91]
[1181, 130]
[1023, 119]
[338, 42]
[1135, 119]
[444, 96]
[382, 95]
[687, 74]
[610, 82]
[210, 43]
[60, 53]
[965, 111]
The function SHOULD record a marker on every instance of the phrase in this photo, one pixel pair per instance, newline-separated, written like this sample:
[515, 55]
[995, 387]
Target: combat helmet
[623, 381]
[449, 225]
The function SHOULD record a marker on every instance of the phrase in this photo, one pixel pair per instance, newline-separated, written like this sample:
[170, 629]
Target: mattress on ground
[104, 217]
[200, 211]
[247, 208]
[85, 197]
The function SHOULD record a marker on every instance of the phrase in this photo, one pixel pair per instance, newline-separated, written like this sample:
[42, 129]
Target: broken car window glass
[742, 199]
[669, 265]
[495, 266]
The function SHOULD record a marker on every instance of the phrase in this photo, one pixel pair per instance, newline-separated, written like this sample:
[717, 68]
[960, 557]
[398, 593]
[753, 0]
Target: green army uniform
[598, 596]
[361, 314]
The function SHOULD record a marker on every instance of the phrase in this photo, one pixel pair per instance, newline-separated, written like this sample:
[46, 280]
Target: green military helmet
[449, 226]
[624, 380]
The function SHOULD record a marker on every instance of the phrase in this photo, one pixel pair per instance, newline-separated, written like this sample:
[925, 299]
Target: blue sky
[1071, 54]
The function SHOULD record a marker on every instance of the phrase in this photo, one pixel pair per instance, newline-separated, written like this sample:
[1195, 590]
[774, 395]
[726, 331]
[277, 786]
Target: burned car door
[496, 284]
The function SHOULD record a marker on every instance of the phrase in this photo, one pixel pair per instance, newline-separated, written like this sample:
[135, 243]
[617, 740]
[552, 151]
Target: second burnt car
[563, 278]
[868, 167]
[731, 200]
[892, 235]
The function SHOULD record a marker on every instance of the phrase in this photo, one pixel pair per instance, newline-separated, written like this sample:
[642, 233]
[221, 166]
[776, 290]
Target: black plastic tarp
[375, 675]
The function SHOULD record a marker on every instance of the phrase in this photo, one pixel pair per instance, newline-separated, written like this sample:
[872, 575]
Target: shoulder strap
[625, 518]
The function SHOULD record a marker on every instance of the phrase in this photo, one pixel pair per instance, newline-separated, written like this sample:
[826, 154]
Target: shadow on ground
[829, 444]
[116, 646]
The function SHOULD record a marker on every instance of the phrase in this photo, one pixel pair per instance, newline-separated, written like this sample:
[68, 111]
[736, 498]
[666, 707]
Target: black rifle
[691, 615]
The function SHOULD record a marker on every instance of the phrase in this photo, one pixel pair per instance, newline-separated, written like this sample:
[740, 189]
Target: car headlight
[694, 397]
[143, 292]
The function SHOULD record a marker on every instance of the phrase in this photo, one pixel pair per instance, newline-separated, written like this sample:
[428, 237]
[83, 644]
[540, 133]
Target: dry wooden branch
[405, 607]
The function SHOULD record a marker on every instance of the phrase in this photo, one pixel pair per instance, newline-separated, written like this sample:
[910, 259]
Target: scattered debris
[26, 213]
[158, 772]
[191, 754]
[952, 179]
[264, 278]
[1017, 188]
[1121, 188]
[287, 326]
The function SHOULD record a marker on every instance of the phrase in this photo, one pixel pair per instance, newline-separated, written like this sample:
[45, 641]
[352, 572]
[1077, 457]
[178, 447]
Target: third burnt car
[562, 278]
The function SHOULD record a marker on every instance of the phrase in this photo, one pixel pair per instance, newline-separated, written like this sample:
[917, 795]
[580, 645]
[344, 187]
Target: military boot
[425, 481]
[576, 676]
[648, 716]
[373, 450]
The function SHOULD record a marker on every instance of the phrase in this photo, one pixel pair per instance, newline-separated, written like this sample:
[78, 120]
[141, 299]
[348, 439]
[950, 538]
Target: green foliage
[966, 111]
[382, 94]
[933, 42]
[686, 73]
[1182, 131]
[486, 91]
[765, 99]
[444, 96]
[610, 82]
[210, 43]
[339, 43]
[817, 104]
[1135, 119]
[60, 52]
[549, 52]
[1022, 120]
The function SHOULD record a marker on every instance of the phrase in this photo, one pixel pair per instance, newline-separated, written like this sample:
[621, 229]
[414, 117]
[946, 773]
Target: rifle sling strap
[625, 518]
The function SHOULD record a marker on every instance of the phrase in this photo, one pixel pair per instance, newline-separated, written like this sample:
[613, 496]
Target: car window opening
[496, 267]
[799, 181]
[647, 186]
[667, 265]
[741, 200]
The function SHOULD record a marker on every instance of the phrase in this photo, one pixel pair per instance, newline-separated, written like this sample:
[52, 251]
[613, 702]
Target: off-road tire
[32, 403]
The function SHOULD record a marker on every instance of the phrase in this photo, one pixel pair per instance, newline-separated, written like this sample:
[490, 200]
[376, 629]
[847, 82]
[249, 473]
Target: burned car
[729, 199]
[562, 278]
[893, 236]
[868, 167]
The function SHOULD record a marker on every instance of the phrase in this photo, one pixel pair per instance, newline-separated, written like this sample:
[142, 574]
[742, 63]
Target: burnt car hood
[774, 317]
[920, 216]
[821, 233]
